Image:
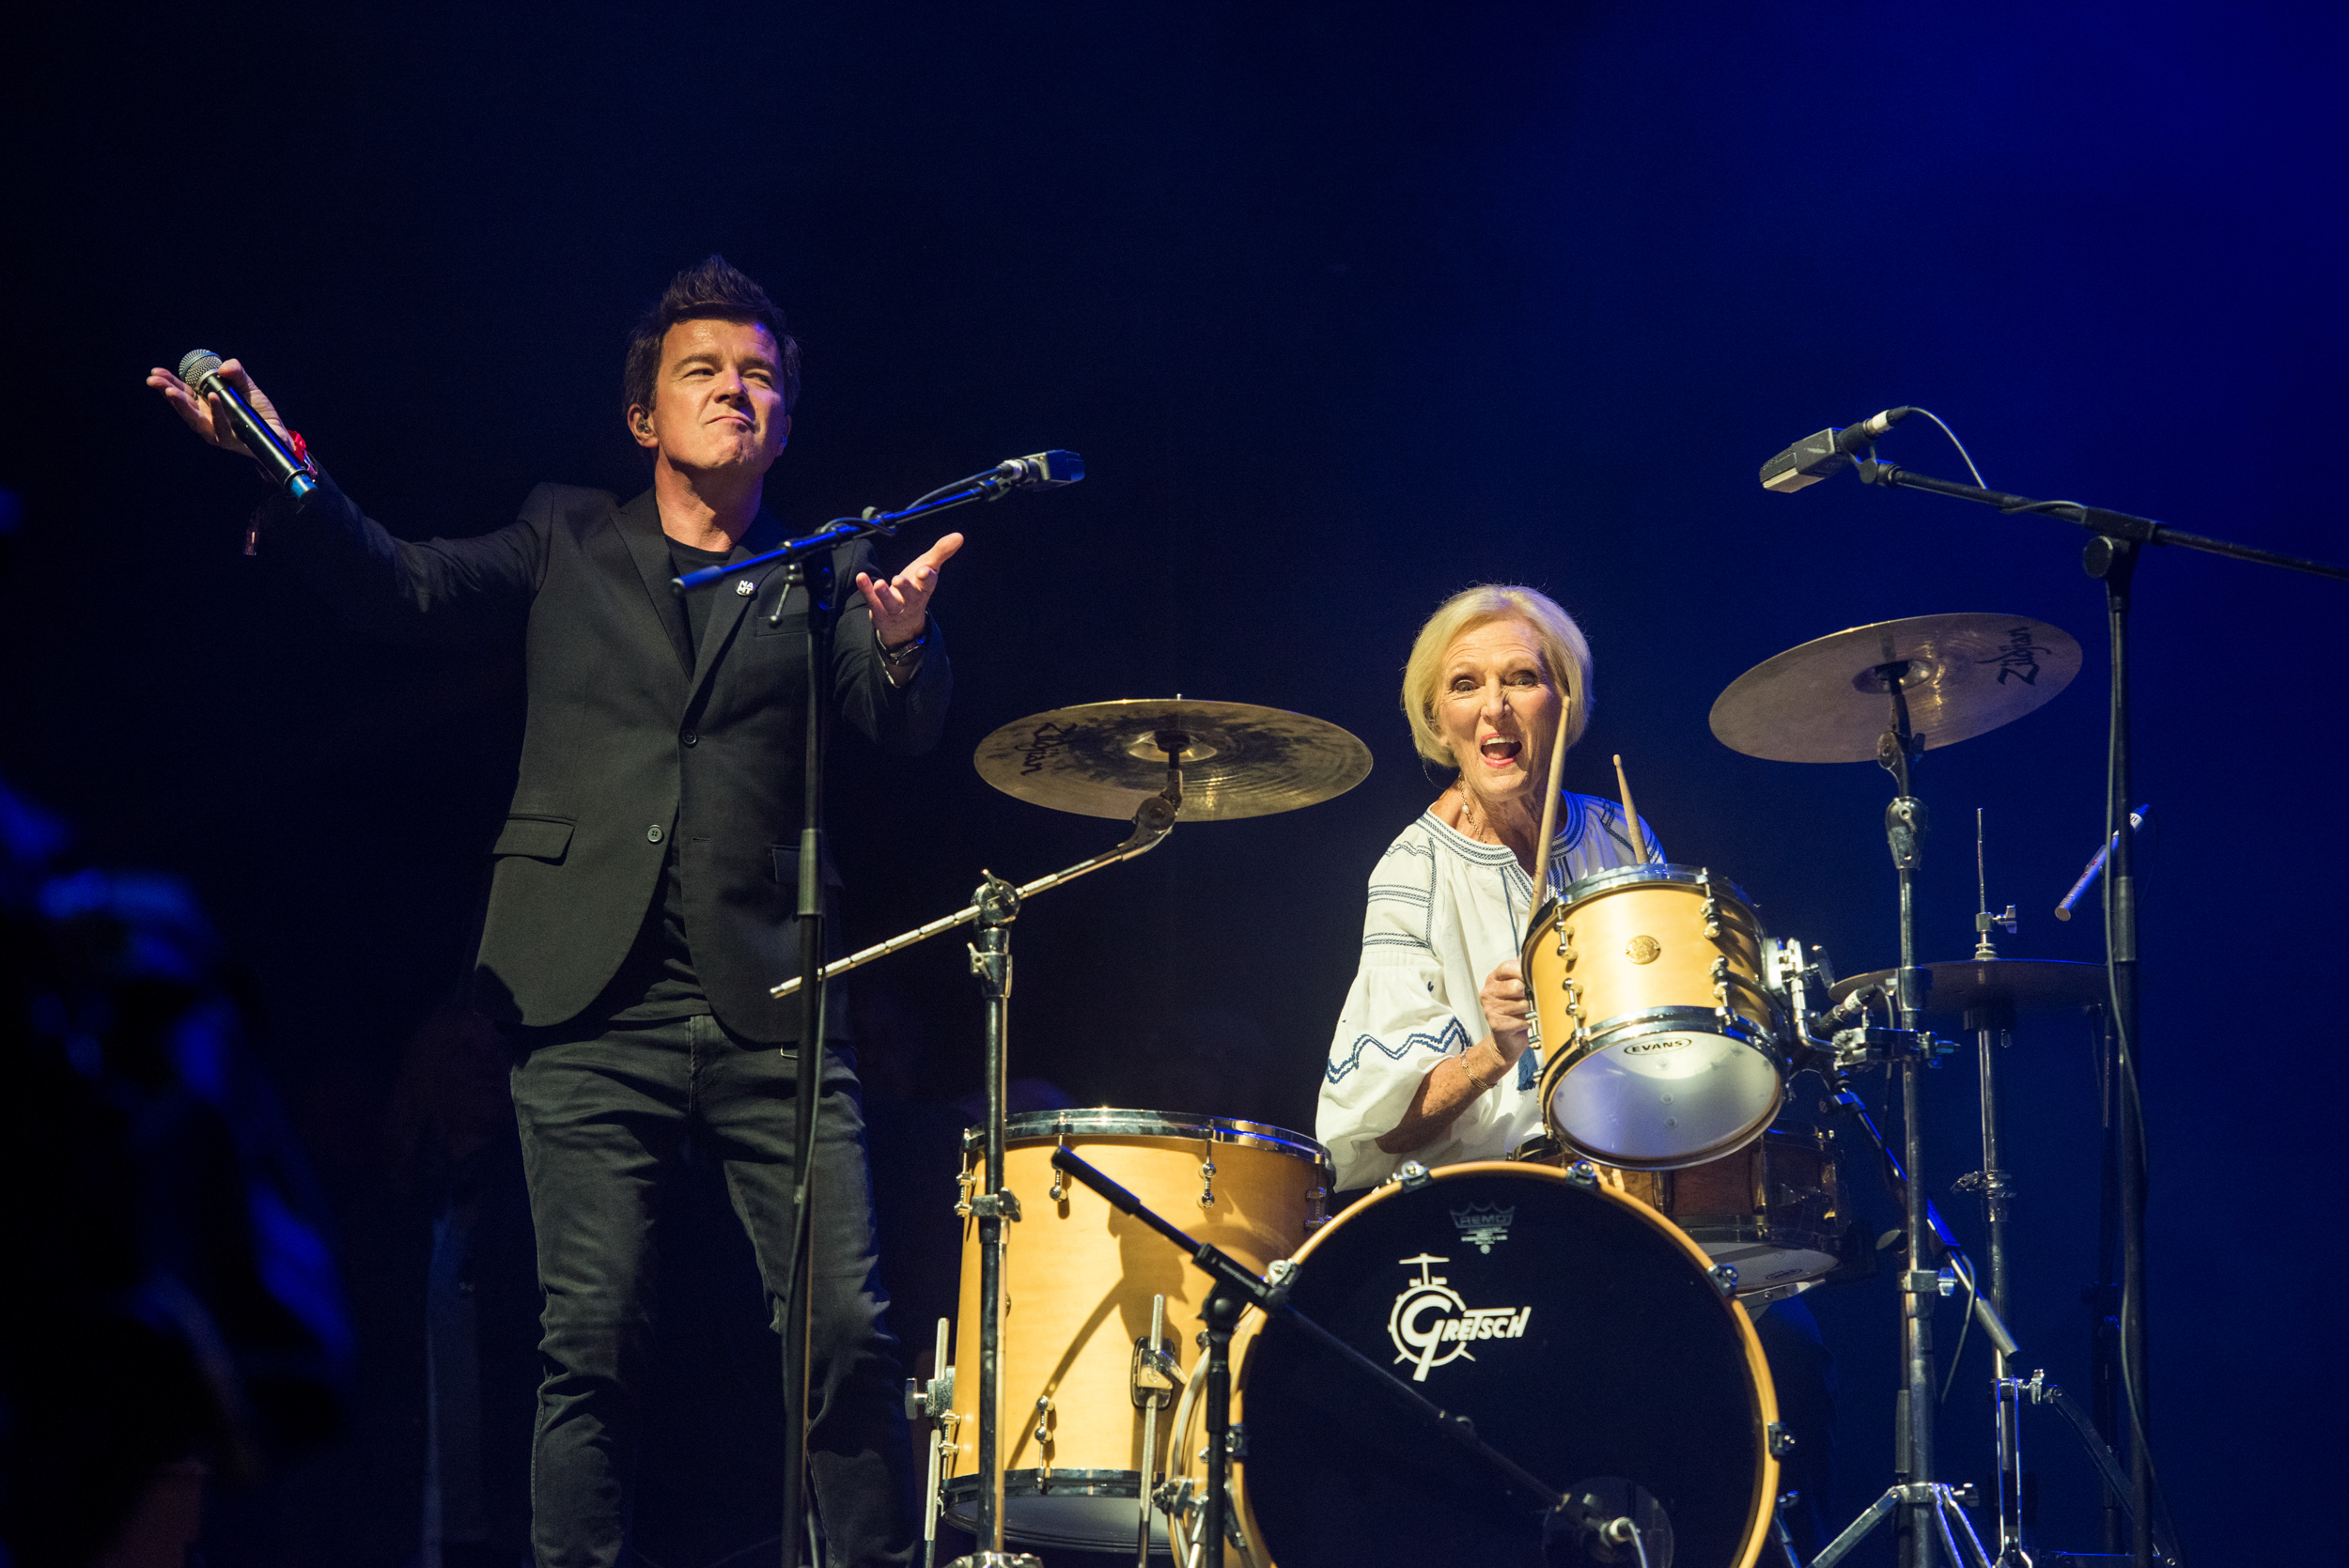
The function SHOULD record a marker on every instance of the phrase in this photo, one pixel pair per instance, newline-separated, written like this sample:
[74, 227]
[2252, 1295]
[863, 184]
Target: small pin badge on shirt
[745, 588]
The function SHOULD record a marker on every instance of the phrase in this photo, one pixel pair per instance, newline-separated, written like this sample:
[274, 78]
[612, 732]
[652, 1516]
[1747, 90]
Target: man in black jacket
[647, 880]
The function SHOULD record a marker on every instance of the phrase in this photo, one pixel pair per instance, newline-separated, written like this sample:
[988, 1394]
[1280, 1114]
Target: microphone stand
[796, 556]
[2110, 557]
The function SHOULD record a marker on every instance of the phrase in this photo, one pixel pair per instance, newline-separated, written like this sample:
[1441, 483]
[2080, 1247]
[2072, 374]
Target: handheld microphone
[1813, 458]
[1041, 470]
[201, 370]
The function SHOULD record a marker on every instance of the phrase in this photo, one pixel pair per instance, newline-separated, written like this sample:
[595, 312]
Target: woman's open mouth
[1499, 750]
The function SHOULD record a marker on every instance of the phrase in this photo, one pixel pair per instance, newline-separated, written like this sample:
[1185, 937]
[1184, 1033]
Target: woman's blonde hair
[1565, 656]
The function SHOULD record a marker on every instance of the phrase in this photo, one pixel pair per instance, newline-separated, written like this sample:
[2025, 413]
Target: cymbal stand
[2013, 1391]
[1992, 1027]
[1904, 824]
[993, 908]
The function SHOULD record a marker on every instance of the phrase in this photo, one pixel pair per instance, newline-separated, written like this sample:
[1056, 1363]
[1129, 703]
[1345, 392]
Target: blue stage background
[1345, 307]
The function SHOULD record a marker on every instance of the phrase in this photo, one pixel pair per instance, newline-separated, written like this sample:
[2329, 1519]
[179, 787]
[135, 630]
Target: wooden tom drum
[1080, 1288]
[1660, 1039]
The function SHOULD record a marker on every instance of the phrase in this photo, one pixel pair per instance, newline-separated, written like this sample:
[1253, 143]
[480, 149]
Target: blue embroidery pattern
[1453, 1038]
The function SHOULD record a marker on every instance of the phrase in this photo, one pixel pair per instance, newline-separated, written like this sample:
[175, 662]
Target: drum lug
[1316, 1208]
[1236, 1442]
[1711, 914]
[1413, 1175]
[1724, 1276]
[1782, 1440]
[1583, 1173]
[1207, 1182]
[1043, 1420]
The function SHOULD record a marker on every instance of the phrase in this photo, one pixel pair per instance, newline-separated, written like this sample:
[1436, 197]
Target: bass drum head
[1576, 1329]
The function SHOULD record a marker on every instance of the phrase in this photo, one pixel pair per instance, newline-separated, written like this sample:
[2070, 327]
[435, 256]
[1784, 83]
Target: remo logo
[1430, 1325]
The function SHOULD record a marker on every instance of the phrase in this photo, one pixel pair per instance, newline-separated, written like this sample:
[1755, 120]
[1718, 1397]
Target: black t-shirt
[657, 981]
[685, 558]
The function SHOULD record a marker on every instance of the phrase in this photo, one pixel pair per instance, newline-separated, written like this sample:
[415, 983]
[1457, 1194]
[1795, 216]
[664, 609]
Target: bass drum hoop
[1764, 1505]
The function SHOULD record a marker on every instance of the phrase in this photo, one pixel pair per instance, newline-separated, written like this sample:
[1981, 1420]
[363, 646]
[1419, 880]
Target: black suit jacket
[632, 734]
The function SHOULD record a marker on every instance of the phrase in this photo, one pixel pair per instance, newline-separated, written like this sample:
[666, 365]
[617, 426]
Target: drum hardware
[1237, 1288]
[1943, 1509]
[2038, 1391]
[934, 1401]
[1207, 1182]
[1156, 1372]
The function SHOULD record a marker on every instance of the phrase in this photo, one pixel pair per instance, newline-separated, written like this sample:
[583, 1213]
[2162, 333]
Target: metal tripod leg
[1935, 1502]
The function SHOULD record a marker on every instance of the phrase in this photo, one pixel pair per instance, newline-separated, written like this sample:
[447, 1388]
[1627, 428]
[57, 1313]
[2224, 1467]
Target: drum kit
[1548, 1357]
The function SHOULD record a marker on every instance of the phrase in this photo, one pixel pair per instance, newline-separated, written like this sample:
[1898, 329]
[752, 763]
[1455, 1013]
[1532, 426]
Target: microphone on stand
[201, 370]
[2096, 865]
[1813, 458]
[1039, 471]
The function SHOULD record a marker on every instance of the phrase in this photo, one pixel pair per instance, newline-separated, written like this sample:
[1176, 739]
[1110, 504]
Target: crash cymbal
[1829, 700]
[1237, 759]
[2026, 985]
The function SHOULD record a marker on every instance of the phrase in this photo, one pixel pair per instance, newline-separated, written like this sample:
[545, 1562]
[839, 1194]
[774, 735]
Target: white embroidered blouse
[1445, 912]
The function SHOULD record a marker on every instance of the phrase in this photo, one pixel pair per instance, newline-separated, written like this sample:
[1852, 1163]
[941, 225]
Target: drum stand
[2008, 1391]
[993, 908]
[1932, 1508]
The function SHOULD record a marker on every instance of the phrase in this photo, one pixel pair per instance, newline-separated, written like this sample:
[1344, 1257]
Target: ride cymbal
[2026, 985]
[1829, 700]
[1100, 759]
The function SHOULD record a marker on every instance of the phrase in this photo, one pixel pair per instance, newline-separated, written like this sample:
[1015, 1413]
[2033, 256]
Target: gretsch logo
[1431, 1326]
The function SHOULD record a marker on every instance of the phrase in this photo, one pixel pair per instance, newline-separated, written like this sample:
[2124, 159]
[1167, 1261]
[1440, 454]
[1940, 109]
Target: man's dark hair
[714, 289]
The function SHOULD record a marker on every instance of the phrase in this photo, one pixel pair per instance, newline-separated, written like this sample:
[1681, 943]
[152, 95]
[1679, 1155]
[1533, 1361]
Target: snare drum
[1660, 1038]
[1581, 1333]
[1079, 1283]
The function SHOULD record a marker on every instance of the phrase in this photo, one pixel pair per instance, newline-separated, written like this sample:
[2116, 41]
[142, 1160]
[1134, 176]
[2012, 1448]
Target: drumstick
[1630, 817]
[1549, 812]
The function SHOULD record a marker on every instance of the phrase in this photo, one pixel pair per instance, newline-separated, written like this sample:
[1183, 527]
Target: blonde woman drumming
[1432, 1059]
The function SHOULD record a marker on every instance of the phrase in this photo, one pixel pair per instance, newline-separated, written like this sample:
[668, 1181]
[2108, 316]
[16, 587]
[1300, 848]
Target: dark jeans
[601, 1120]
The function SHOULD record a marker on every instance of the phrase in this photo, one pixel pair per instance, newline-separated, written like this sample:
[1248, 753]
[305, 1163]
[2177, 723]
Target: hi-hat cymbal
[1829, 700]
[1237, 759]
[2026, 985]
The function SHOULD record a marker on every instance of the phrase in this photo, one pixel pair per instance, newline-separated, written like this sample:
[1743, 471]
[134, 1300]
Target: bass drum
[1580, 1330]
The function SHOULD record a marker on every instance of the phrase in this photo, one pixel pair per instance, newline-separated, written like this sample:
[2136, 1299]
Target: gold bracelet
[1481, 1085]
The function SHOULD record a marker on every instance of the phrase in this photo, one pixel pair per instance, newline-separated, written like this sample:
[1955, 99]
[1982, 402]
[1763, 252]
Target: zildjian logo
[1042, 743]
[1481, 1225]
[2019, 658]
[1430, 1325]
